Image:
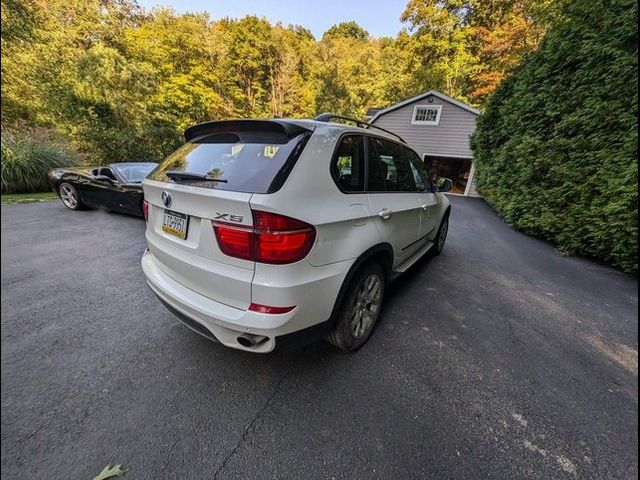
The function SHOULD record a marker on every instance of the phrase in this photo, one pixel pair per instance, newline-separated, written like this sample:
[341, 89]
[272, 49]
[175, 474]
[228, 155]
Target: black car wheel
[69, 196]
[360, 309]
[441, 237]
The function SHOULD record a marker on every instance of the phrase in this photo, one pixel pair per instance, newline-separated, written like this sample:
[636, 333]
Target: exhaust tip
[248, 340]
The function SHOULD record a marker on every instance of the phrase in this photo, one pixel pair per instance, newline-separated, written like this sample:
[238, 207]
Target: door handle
[385, 213]
[424, 206]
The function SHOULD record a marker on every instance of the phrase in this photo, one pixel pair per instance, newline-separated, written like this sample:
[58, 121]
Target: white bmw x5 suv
[270, 233]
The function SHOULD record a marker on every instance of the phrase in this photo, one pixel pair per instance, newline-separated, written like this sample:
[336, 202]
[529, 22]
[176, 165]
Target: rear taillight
[279, 239]
[233, 240]
[145, 210]
[273, 239]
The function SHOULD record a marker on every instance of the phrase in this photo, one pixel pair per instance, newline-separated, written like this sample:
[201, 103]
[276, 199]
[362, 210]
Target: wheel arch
[69, 179]
[63, 179]
[57, 183]
[381, 253]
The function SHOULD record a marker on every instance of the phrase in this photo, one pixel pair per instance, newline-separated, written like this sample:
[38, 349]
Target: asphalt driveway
[498, 359]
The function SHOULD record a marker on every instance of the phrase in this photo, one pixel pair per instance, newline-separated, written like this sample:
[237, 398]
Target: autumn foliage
[121, 82]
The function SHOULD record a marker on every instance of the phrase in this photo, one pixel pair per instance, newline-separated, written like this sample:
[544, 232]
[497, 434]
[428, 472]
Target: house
[439, 128]
[371, 113]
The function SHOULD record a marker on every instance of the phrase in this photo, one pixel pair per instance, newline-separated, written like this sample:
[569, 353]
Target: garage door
[456, 169]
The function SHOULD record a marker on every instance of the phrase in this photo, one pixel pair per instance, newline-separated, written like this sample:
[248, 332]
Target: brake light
[279, 239]
[234, 241]
[254, 307]
[145, 210]
[273, 239]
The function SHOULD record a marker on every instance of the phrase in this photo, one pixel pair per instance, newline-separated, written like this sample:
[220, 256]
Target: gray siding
[449, 138]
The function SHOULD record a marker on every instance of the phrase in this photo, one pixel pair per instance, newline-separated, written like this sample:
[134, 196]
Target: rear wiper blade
[192, 176]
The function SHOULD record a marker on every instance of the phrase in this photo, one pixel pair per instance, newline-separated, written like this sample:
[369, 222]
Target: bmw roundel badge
[166, 199]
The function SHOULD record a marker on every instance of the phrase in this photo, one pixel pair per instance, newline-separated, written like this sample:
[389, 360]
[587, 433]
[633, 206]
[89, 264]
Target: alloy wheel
[68, 196]
[366, 306]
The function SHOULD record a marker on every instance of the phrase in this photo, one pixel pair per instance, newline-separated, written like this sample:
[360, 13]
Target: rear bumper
[225, 324]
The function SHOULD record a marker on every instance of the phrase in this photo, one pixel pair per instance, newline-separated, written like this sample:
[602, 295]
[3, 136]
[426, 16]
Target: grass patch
[11, 198]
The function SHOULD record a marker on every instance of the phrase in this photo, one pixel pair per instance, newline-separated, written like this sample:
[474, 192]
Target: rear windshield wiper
[175, 175]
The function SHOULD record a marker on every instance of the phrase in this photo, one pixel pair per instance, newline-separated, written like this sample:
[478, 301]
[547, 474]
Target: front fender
[444, 205]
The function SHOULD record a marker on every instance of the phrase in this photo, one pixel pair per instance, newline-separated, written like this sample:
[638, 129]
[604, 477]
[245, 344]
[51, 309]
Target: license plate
[175, 223]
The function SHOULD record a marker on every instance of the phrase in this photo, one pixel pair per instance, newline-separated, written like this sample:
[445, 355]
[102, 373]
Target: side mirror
[444, 184]
[104, 178]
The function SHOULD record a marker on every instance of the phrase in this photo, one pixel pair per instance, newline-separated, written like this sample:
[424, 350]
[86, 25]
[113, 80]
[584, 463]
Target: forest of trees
[110, 81]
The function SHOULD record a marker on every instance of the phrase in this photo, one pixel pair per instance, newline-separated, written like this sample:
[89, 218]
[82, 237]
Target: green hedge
[557, 147]
[27, 160]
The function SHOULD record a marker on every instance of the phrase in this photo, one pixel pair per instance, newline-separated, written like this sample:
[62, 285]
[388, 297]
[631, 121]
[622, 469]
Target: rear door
[392, 197]
[212, 178]
[427, 198]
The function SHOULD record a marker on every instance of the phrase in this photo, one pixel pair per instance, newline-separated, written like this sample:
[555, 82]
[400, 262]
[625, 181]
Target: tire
[69, 196]
[441, 236]
[350, 333]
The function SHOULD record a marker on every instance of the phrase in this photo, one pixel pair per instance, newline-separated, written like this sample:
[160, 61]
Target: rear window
[229, 162]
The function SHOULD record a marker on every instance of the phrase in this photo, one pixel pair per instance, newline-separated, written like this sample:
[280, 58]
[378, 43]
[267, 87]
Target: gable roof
[435, 93]
[372, 111]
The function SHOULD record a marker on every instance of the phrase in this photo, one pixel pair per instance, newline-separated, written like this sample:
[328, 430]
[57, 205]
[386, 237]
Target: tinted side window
[347, 166]
[420, 172]
[396, 168]
[376, 179]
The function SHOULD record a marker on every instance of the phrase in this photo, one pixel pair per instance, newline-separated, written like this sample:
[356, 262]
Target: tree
[347, 69]
[506, 32]
[18, 20]
[346, 30]
[557, 148]
[292, 82]
[466, 48]
[442, 57]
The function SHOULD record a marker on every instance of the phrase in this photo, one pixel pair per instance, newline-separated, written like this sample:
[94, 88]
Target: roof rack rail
[327, 117]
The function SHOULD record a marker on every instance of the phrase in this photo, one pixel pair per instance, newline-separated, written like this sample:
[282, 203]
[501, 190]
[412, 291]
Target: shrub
[27, 160]
[557, 147]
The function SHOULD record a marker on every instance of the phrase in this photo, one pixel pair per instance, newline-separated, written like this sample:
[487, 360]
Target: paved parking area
[498, 359]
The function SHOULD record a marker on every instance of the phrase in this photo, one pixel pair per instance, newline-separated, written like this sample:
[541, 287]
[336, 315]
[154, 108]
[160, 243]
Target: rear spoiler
[271, 131]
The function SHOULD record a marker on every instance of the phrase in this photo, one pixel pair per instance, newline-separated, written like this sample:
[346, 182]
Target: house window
[426, 114]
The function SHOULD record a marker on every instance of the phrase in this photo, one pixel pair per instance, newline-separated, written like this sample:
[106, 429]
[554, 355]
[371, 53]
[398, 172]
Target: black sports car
[117, 187]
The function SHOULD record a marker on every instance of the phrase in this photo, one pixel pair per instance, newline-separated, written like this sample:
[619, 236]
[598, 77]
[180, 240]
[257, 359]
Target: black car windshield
[225, 162]
[134, 172]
